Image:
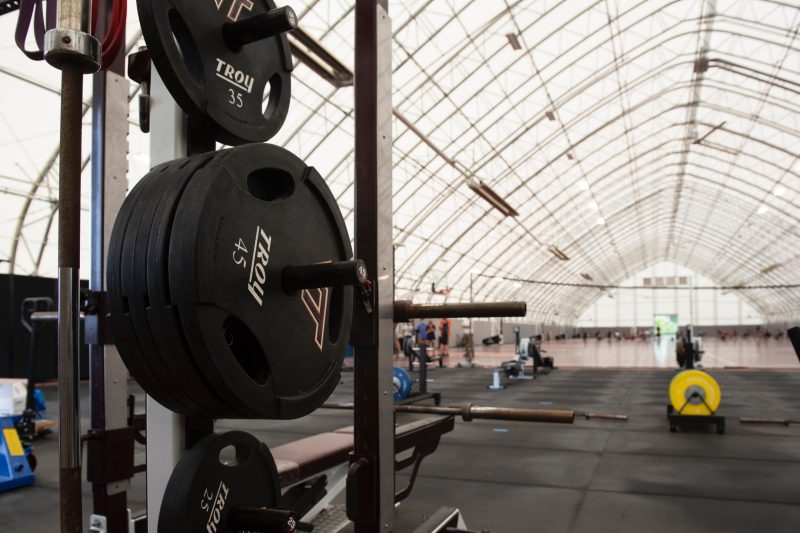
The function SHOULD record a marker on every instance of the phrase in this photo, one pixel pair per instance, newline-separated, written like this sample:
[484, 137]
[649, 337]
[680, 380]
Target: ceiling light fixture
[513, 40]
[550, 116]
[496, 201]
[583, 185]
[600, 221]
[558, 253]
[763, 210]
[780, 190]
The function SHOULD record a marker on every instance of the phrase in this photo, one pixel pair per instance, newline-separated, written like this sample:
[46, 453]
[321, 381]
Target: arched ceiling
[623, 133]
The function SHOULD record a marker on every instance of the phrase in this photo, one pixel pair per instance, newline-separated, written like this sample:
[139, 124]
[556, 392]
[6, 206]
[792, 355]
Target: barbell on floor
[469, 412]
[769, 421]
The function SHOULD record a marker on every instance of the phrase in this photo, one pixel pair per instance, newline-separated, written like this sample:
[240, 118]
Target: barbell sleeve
[405, 310]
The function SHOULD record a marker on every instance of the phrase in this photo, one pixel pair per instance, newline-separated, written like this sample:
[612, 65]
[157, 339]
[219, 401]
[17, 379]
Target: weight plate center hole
[270, 184]
[233, 455]
[246, 349]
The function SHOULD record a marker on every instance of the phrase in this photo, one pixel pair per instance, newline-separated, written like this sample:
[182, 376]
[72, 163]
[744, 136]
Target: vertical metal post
[165, 435]
[107, 372]
[370, 502]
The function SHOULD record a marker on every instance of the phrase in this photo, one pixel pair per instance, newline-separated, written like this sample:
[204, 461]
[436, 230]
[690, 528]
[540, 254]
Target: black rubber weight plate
[244, 217]
[186, 385]
[221, 87]
[202, 489]
[162, 317]
[120, 320]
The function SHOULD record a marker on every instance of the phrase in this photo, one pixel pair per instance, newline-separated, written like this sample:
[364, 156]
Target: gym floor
[593, 476]
[731, 353]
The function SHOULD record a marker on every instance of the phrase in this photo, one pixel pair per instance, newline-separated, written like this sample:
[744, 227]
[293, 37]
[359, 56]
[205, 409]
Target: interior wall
[697, 302]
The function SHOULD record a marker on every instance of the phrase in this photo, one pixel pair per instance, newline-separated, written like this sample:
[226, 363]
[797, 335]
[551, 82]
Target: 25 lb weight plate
[200, 50]
[254, 210]
[219, 484]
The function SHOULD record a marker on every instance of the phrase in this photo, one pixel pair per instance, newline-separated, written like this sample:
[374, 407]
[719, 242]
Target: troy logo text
[216, 511]
[235, 77]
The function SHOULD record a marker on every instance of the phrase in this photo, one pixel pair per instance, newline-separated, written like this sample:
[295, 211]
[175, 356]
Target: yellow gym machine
[694, 398]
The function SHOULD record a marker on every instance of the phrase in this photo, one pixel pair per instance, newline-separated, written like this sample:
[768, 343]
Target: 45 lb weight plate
[231, 285]
[226, 62]
[250, 217]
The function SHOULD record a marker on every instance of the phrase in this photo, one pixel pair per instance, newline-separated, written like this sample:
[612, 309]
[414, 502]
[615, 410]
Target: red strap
[113, 40]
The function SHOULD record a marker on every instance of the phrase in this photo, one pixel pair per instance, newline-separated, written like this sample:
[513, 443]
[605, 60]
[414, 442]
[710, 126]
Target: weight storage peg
[258, 27]
[340, 274]
[226, 62]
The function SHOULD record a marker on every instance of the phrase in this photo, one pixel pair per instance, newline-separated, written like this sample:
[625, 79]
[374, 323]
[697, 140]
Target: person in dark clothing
[444, 337]
[430, 336]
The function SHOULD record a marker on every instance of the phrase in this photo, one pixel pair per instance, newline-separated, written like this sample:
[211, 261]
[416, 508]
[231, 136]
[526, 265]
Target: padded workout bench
[312, 471]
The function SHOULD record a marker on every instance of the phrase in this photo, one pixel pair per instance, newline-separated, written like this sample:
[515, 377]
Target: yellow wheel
[693, 392]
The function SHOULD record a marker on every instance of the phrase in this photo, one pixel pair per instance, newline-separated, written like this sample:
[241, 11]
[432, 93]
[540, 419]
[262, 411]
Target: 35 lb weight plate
[220, 476]
[250, 213]
[694, 392]
[240, 91]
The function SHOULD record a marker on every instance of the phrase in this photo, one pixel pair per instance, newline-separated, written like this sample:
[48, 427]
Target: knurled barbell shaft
[259, 27]
[405, 310]
[338, 274]
[473, 412]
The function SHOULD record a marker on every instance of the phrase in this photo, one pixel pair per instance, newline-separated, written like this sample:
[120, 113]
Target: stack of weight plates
[197, 309]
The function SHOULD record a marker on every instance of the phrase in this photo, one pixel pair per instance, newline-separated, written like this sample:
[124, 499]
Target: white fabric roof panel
[675, 137]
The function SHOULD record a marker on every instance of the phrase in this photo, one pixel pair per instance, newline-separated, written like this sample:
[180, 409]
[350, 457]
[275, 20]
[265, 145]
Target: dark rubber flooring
[594, 476]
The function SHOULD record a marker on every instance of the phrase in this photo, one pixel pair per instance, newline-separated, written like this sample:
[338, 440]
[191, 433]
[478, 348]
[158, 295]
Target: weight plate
[185, 379]
[162, 316]
[402, 384]
[222, 87]
[210, 480]
[251, 212]
[134, 266]
[685, 384]
[119, 317]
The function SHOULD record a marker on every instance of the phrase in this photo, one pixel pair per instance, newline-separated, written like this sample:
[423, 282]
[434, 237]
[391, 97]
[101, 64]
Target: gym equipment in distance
[694, 398]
